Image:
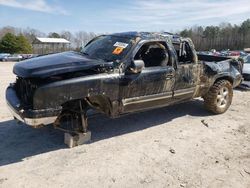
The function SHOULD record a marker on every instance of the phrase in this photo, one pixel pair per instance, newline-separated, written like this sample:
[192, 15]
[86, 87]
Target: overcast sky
[120, 15]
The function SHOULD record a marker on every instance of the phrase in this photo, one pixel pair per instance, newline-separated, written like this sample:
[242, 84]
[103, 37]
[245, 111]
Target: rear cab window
[184, 52]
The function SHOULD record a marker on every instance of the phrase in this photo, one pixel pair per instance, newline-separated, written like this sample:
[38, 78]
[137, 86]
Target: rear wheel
[219, 97]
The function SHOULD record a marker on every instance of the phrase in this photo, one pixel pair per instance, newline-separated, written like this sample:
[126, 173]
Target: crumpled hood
[55, 64]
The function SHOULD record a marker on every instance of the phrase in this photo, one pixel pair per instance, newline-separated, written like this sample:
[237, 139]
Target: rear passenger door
[186, 72]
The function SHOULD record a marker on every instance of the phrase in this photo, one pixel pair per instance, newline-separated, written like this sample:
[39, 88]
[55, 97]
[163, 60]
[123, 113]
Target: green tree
[8, 44]
[15, 44]
[54, 35]
[245, 31]
[224, 36]
[185, 33]
[245, 27]
[23, 45]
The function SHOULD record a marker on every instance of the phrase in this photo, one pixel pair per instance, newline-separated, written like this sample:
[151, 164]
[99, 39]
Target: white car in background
[246, 68]
[3, 55]
[14, 57]
[246, 72]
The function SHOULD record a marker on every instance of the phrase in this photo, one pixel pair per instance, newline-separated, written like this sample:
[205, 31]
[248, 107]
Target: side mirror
[136, 66]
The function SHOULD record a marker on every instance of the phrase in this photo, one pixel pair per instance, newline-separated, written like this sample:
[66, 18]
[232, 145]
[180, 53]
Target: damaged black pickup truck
[119, 74]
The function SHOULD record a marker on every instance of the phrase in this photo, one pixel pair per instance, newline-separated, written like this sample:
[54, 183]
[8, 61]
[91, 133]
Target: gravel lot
[167, 147]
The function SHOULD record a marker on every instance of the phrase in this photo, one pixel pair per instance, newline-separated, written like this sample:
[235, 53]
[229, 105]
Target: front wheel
[219, 97]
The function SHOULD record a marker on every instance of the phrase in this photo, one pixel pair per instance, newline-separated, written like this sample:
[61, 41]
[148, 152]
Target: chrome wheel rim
[223, 97]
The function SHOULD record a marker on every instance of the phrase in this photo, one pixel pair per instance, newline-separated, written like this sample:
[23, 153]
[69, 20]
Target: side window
[184, 52]
[153, 54]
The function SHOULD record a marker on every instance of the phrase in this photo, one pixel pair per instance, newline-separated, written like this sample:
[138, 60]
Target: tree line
[224, 36]
[10, 39]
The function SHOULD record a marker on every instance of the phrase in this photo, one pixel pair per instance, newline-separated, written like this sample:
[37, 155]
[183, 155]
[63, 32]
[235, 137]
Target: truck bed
[211, 58]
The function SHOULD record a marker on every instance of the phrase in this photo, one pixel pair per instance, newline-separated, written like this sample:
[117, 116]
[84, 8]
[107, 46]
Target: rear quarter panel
[213, 71]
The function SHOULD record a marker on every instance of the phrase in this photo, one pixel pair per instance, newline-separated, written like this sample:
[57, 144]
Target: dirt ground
[167, 147]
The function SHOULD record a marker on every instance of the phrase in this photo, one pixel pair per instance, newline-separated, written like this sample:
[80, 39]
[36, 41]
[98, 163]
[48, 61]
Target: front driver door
[153, 87]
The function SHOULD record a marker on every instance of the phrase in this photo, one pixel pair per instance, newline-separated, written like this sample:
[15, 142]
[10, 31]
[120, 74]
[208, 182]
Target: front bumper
[34, 118]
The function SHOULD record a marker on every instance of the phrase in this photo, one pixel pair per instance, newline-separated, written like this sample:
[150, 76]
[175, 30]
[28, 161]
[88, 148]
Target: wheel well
[73, 105]
[101, 103]
[228, 78]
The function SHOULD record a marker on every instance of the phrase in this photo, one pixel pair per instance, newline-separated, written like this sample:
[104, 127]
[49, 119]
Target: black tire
[219, 97]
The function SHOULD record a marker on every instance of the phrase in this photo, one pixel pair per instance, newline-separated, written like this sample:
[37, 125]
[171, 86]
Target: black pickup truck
[118, 74]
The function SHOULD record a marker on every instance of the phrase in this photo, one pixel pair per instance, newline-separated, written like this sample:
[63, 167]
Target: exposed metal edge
[183, 93]
[34, 122]
[40, 121]
[191, 89]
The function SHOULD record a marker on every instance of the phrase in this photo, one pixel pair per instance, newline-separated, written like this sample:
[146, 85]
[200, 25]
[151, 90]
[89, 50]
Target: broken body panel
[45, 84]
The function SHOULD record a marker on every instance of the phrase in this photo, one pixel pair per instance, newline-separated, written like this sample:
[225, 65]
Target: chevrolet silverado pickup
[118, 74]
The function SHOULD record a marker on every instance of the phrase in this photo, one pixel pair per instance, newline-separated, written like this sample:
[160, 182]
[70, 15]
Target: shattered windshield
[108, 48]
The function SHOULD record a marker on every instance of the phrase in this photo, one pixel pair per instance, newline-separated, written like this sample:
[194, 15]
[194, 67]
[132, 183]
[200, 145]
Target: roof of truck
[149, 35]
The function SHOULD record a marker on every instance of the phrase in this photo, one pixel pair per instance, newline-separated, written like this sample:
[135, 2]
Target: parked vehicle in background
[234, 54]
[245, 72]
[225, 53]
[33, 55]
[243, 54]
[247, 50]
[26, 56]
[246, 68]
[14, 57]
[3, 55]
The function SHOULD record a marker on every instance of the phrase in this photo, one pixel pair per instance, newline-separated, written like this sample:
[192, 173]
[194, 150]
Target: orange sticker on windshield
[117, 50]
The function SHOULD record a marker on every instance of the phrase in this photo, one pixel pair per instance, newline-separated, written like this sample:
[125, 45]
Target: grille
[25, 91]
